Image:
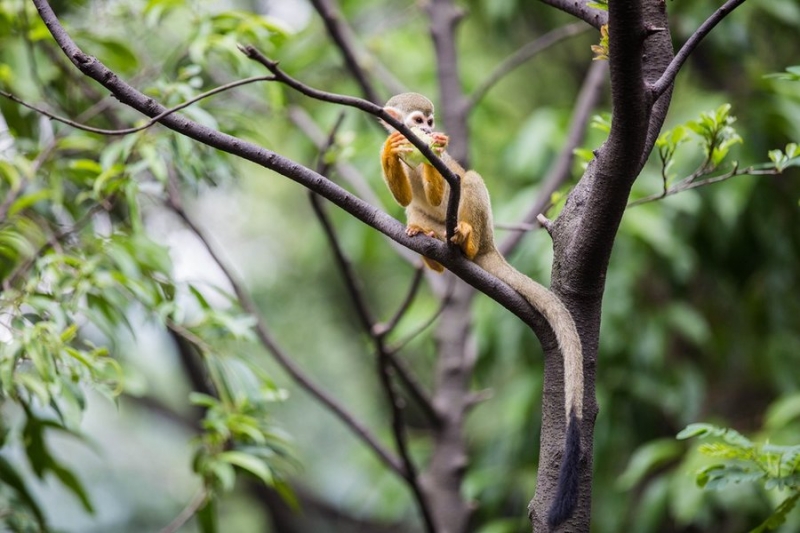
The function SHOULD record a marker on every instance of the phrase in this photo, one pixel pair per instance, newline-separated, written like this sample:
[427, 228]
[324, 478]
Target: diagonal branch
[385, 360]
[687, 184]
[342, 35]
[593, 17]
[452, 179]
[149, 123]
[668, 77]
[366, 213]
[444, 17]
[522, 55]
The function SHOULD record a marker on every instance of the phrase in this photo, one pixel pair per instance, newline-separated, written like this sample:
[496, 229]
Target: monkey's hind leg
[465, 238]
[413, 229]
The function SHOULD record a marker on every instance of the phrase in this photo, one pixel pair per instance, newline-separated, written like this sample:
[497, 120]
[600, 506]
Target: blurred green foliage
[699, 320]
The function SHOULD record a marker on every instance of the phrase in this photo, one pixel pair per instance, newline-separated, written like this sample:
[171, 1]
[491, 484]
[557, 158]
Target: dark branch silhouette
[521, 56]
[343, 38]
[683, 54]
[579, 9]
[155, 120]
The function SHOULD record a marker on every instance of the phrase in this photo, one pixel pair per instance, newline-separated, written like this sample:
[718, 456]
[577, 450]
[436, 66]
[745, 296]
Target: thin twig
[387, 327]
[364, 105]
[522, 55]
[187, 513]
[385, 362]
[668, 76]
[149, 123]
[54, 241]
[342, 36]
[594, 17]
[692, 183]
[425, 325]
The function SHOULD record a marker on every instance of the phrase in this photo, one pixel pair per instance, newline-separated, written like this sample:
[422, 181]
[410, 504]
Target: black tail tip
[567, 489]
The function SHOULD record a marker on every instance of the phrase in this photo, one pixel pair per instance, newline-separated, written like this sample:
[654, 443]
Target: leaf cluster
[742, 461]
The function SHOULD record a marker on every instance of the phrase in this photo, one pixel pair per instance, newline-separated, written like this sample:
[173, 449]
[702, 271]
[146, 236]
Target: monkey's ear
[396, 113]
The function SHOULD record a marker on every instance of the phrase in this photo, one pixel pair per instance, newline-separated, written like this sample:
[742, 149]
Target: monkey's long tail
[569, 342]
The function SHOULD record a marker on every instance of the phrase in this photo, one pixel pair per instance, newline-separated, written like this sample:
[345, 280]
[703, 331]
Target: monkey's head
[412, 109]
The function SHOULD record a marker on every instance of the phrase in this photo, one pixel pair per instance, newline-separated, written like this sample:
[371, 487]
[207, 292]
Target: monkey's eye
[418, 120]
[430, 122]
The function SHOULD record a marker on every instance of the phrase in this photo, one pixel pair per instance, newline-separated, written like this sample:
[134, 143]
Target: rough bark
[583, 236]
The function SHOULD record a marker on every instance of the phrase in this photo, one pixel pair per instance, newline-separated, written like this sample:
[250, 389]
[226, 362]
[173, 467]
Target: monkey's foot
[464, 238]
[413, 229]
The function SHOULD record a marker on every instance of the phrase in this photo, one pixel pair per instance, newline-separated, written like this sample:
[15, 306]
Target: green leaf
[778, 517]
[10, 477]
[27, 200]
[69, 480]
[207, 516]
[251, 464]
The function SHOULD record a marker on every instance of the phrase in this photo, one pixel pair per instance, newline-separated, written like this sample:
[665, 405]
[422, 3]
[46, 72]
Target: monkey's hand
[399, 145]
[439, 142]
[465, 239]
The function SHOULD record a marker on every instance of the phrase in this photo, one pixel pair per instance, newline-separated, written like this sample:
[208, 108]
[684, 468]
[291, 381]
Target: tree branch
[385, 361]
[579, 9]
[361, 210]
[149, 123]
[668, 77]
[687, 184]
[342, 35]
[452, 179]
[444, 17]
[522, 55]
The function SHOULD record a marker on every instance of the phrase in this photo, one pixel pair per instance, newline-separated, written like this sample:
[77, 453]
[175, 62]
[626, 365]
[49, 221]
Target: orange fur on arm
[433, 184]
[395, 175]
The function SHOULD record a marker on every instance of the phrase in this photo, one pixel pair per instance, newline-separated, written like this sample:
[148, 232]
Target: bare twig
[385, 361]
[342, 35]
[149, 123]
[445, 301]
[387, 327]
[523, 54]
[668, 76]
[593, 17]
[187, 513]
[452, 179]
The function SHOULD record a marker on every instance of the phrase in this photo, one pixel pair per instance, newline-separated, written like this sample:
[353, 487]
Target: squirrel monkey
[420, 188]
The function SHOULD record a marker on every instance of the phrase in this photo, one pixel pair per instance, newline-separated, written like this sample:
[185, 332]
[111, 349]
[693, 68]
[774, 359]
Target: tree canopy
[191, 341]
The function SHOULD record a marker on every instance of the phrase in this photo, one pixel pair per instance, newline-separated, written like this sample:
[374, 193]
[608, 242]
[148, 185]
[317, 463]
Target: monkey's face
[418, 119]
